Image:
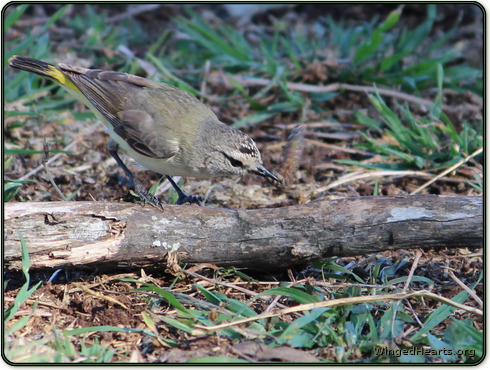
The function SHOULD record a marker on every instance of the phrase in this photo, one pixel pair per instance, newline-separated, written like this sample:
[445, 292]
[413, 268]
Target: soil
[89, 173]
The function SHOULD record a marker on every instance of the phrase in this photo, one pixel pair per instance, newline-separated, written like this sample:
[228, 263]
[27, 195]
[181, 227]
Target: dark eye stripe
[234, 162]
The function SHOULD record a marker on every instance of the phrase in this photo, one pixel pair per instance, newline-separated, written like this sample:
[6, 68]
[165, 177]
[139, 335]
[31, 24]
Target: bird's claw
[144, 194]
[191, 199]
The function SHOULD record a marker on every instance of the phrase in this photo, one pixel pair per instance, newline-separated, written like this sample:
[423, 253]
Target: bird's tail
[40, 68]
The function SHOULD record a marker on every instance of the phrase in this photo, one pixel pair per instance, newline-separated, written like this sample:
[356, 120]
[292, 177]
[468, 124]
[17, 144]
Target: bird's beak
[262, 171]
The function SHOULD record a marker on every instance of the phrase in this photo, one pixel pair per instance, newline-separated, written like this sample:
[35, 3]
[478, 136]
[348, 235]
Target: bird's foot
[185, 198]
[144, 194]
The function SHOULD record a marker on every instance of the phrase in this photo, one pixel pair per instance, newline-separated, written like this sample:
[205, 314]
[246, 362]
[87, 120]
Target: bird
[163, 128]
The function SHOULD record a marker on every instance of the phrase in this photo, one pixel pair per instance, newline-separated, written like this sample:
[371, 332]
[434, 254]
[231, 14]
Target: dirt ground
[91, 173]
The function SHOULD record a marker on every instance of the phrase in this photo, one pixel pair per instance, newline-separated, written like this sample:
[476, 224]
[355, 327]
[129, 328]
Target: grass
[57, 350]
[348, 328]
[380, 52]
[419, 143]
[377, 53]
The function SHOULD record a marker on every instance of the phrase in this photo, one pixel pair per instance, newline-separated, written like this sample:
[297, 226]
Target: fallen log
[116, 236]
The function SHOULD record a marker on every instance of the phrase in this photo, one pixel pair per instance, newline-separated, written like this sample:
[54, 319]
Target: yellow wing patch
[61, 78]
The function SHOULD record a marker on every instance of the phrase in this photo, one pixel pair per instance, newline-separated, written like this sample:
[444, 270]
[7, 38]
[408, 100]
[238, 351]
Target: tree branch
[115, 236]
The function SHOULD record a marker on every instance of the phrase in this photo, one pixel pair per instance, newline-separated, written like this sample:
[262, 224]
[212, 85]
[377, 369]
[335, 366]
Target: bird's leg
[184, 197]
[138, 187]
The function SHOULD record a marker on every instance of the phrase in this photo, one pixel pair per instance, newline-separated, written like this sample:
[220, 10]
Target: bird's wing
[138, 129]
[146, 114]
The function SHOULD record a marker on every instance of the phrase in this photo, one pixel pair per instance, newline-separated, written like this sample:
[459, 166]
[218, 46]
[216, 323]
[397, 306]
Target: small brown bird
[163, 128]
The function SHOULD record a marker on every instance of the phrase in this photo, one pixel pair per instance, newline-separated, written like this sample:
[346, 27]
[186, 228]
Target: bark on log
[115, 236]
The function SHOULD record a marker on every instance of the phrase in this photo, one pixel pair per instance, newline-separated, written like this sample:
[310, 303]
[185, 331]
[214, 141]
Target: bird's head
[237, 154]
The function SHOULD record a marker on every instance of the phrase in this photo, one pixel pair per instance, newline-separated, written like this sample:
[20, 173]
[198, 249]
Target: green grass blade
[367, 49]
[293, 293]
[441, 313]
[147, 287]
[14, 15]
[32, 40]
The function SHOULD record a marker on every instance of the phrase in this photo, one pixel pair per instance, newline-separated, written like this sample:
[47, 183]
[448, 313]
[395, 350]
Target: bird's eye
[234, 162]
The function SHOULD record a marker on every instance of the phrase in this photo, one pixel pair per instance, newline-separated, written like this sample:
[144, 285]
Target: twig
[137, 9]
[207, 68]
[103, 297]
[322, 124]
[421, 324]
[243, 355]
[217, 282]
[149, 68]
[273, 304]
[415, 263]
[350, 285]
[363, 175]
[32, 22]
[382, 91]
[339, 302]
[450, 169]
[32, 301]
[405, 288]
[465, 287]
[48, 172]
[53, 158]
[251, 81]
[105, 280]
[336, 135]
[228, 285]
[334, 147]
